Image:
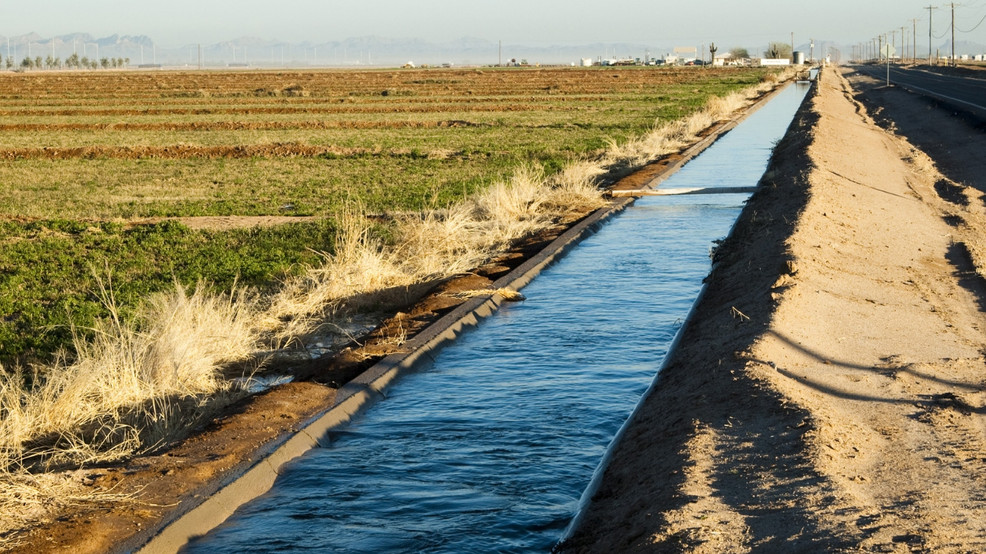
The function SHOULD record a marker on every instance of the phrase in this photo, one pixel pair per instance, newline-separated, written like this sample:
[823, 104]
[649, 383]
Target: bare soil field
[829, 394]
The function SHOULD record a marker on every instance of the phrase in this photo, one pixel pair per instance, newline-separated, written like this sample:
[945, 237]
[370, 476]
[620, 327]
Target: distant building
[685, 54]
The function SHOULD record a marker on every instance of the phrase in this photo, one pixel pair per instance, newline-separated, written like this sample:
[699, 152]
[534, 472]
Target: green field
[87, 158]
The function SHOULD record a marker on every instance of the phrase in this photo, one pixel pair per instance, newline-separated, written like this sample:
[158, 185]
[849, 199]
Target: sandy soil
[830, 393]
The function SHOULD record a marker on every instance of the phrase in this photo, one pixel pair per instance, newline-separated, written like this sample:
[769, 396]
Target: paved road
[961, 92]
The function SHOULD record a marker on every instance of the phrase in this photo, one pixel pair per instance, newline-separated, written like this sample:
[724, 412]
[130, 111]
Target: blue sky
[173, 23]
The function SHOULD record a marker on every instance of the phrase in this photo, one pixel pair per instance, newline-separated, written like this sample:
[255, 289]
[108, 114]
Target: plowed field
[87, 158]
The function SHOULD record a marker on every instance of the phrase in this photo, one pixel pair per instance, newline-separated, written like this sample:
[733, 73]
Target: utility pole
[953, 35]
[914, 42]
[903, 42]
[891, 44]
[792, 47]
[930, 13]
[888, 62]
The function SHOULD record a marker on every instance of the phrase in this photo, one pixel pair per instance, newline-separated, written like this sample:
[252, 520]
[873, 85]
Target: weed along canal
[490, 446]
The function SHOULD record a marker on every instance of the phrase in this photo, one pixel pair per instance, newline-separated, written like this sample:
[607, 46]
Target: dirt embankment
[830, 393]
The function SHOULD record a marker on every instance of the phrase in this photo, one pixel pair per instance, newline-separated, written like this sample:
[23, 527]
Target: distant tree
[126, 61]
[38, 62]
[72, 61]
[105, 63]
[49, 62]
[778, 50]
[9, 62]
[58, 62]
[739, 52]
[85, 62]
[27, 63]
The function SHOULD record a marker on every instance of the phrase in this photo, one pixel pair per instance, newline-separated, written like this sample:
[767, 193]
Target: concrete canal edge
[607, 458]
[197, 516]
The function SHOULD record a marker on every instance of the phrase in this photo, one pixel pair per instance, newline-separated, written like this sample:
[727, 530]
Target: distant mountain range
[358, 51]
[366, 51]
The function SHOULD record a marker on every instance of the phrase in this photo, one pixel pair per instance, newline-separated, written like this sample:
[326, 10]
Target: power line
[974, 28]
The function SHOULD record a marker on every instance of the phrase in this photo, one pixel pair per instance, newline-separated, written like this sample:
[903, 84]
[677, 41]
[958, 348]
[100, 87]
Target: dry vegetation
[500, 154]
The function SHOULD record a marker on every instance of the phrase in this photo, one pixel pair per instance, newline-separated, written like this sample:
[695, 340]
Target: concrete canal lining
[242, 486]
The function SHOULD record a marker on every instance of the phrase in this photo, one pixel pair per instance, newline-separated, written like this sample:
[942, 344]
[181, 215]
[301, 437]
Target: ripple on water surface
[490, 447]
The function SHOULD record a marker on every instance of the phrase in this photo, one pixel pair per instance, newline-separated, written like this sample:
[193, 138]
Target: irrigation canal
[489, 448]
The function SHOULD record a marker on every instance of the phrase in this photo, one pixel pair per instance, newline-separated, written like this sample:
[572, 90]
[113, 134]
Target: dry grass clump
[135, 386]
[27, 499]
[117, 395]
[364, 272]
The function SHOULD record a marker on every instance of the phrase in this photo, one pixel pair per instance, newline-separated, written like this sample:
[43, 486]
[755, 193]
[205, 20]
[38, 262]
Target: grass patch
[48, 271]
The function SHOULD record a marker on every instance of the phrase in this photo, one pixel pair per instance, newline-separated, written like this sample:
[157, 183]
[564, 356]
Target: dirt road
[830, 393]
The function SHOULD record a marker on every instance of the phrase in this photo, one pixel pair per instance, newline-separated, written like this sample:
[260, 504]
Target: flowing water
[489, 448]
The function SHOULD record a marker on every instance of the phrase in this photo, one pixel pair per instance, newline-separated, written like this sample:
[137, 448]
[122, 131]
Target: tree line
[72, 62]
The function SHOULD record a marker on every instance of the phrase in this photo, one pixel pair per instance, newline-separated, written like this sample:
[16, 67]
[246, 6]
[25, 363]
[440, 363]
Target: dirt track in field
[184, 151]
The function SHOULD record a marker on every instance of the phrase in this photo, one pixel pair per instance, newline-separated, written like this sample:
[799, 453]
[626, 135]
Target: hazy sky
[173, 23]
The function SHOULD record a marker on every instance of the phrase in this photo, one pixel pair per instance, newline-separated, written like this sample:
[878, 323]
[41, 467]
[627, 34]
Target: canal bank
[828, 393]
[489, 446]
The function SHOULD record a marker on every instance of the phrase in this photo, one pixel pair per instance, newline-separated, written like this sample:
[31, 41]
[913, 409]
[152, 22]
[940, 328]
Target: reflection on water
[489, 448]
